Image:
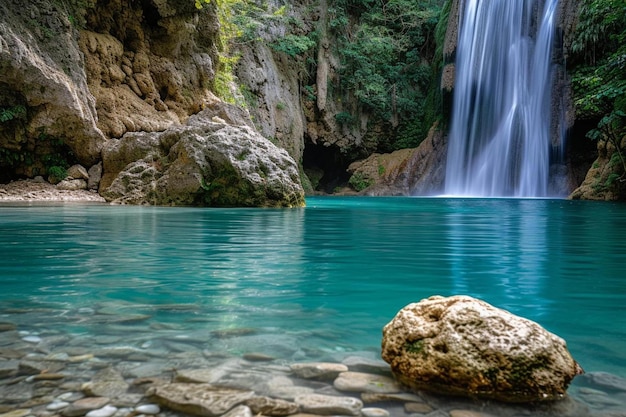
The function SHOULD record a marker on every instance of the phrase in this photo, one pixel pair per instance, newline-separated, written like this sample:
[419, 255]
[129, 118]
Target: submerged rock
[204, 163]
[464, 346]
[198, 399]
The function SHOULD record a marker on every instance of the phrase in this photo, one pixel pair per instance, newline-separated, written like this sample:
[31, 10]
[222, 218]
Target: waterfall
[500, 138]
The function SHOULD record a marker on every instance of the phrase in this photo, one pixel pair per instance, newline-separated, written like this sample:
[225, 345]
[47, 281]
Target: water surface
[329, 276]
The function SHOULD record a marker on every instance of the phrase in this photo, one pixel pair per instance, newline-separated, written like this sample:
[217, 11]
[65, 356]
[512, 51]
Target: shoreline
[39, 190]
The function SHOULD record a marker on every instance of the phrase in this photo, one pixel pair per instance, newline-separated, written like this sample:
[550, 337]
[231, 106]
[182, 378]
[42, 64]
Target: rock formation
[207, 162]
[41, 74]
[463, 346]
[605, 178]
[415, 171]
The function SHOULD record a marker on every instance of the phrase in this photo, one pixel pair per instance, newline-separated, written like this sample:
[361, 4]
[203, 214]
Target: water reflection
[500, 253]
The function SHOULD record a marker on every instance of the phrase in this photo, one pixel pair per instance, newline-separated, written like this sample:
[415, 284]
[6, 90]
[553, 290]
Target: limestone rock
[41, 70]
[203, 163]
[95, 175]
[463, 346]
[415, 171]
[77, 172]
[198, 399]
[329, 405]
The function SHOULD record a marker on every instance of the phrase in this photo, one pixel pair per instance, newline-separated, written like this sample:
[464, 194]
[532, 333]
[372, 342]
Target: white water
[500, 138]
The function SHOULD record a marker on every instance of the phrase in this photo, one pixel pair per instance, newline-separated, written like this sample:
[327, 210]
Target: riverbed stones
[463, 346]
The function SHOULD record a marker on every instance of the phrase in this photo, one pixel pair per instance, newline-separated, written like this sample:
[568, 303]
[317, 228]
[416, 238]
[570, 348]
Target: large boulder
[207, 162]
[463, 346]
[415, 171]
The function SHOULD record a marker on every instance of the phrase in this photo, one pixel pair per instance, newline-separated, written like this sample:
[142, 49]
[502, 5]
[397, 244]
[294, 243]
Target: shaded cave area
[581, 151]
[326, 167]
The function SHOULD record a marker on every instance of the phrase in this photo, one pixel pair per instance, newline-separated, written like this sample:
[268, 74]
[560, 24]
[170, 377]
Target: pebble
[148, 409]
[374, 412]
[419, 408]
[32, 339]
[106, 411]
[57, 405]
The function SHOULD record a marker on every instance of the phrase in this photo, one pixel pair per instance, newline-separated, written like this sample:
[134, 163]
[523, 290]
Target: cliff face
[149, 64]
[316, 80]
[71, 77]
[43, 90]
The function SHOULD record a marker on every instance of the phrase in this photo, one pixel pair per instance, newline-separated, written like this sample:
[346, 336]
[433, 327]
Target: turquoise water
[331, 274]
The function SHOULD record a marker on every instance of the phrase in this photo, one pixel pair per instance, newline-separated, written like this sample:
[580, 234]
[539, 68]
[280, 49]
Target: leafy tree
[386, 49]
[599, 71]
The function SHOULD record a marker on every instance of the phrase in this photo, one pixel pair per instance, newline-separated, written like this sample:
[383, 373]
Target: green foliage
[344, 118]
[359, 182]
[58, 172]
[599, 47]
[599, 77]
[17, 112]
[385, 49]
[293, 45]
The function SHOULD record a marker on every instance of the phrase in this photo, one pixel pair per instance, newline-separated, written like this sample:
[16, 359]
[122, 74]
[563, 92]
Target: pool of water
[331, 275]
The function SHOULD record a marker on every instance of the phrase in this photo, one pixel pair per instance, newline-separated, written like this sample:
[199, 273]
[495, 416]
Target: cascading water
[500, 138]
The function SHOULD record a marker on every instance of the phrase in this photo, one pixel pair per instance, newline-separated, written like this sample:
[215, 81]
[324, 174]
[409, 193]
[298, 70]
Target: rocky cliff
[76, 76]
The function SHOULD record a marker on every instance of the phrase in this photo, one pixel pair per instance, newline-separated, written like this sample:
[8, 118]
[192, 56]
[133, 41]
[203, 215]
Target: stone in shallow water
[198, 399]
[318, 370]
[362, 382]
[33, 367]
[106, 383]
[288, 392]
[5, 327]
[148, 409]
[374, 412]
[57, 405]
[271, 407]
[375, 397]
[106, 411]
[329, 405]
[419, 408]
[83, 406]
[239, 411]
[32, 339]
[8, 368]
[463, 346]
